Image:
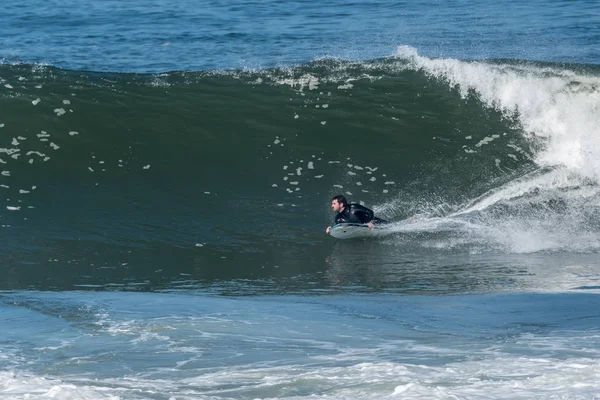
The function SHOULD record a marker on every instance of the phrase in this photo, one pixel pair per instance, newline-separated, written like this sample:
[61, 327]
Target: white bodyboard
[353, 231]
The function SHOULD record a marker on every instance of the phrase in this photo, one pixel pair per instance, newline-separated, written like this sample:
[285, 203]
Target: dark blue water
[166, 170]
[158, 35]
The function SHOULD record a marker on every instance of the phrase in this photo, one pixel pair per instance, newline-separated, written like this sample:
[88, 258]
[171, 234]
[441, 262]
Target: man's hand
[370, 225]
[327, 230]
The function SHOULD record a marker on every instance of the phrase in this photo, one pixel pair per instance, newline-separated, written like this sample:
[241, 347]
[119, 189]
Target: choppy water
[162, 35]
[167, 170]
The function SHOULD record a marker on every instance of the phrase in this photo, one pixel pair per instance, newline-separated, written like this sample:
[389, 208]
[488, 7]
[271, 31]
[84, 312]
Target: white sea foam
[27, 386]
[306, 81]
[545, 210]
[555, 206]
[342, 377]
[560, 106]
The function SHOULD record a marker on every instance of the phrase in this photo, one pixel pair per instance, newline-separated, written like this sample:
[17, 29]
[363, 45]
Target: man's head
[338, 203]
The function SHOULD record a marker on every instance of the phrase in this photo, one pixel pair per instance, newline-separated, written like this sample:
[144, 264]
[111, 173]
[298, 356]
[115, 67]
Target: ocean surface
[166, 175]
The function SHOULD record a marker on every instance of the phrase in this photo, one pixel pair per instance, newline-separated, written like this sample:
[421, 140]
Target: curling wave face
[480, 155]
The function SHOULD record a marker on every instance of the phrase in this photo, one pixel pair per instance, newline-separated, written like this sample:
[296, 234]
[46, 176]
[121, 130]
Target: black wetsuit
[357, 214]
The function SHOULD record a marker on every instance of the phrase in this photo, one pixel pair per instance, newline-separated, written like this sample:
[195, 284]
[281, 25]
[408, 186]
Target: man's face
[336, 207]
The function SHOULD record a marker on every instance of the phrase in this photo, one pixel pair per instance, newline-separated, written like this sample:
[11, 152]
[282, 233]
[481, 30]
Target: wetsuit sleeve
[362, 214]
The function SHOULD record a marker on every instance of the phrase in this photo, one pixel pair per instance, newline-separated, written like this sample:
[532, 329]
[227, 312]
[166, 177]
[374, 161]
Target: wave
[505, 153]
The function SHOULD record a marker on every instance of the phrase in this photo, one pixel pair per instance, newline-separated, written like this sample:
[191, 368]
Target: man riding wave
[353, 213]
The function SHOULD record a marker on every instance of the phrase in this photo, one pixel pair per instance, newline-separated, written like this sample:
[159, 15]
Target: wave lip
[558, 108]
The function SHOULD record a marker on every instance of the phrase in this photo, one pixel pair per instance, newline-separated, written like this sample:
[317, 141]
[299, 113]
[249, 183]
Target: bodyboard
[353, 231]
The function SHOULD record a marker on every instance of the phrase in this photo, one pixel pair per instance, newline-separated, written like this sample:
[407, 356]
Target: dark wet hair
[340, 199]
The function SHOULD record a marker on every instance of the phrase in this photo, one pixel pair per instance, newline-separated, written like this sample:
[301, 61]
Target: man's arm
[364, 215]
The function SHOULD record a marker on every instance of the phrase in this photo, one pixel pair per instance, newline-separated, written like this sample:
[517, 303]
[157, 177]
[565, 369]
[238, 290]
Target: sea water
[167, 169]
